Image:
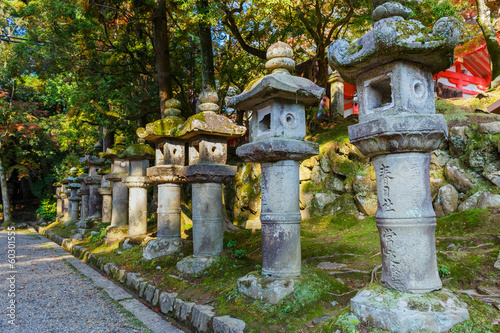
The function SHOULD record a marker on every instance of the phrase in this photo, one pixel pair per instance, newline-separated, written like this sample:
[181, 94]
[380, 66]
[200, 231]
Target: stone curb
[200, 318]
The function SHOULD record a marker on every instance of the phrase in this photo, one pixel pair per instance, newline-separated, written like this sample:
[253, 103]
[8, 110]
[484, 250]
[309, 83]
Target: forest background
[76, 71]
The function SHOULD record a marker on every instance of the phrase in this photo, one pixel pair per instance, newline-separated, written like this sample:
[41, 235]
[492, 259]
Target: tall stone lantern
[93, 181]
[277, 130]
[392, 67]
[207, 133]
[169, 174]
[120, 166]
[137, 182]
[74, 185]
[83, 192]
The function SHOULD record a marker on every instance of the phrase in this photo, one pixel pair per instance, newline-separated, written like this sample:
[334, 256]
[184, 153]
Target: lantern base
[400, 312]
[270, 290]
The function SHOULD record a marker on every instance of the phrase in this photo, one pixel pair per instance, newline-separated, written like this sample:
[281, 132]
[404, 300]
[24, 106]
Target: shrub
[47, 210]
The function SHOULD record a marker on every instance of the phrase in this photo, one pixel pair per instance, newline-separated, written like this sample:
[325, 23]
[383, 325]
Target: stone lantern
[59, 200]
[106, 191]
[83, 192]
[207, 133]
[65, 194]
[277, 130]
[137, 182]
[93, 181]
[74, 185]
[119, 205]
[392, 67]
[169, 174]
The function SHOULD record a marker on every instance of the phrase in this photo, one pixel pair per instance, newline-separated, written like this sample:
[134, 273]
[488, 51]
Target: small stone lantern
[277, 130]
[93, 181]
[106, 191]
[83, 192]
[137, 182]
[392, 67]
[207, 134]
[169, 174]
[74, 185]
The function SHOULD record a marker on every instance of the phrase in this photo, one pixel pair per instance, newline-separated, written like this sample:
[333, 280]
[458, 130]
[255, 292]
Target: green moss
[354, 48]
[165, 127]
[104, 170]
[139, 151]
[480, 315]
[467, 222]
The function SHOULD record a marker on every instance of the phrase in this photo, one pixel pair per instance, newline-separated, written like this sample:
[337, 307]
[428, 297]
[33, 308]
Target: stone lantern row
[195, 151]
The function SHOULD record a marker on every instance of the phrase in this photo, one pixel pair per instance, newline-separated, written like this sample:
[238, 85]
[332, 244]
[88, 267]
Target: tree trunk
[7, 214]
[162, 52]
[207, 57]
[322, 66]
[484, 21]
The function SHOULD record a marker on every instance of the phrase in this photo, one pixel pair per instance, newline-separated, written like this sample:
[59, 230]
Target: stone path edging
[200, 318]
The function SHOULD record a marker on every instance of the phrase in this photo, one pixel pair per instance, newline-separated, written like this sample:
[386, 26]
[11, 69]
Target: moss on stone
[139, 151]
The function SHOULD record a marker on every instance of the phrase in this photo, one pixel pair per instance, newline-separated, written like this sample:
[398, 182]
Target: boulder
[323, 198]
[439, 158]
[264, 288]
[305, 194]
[436, 184]
[481, 200]
[159, 247]
[334, 183]
[366, 203]
[318, 176]
[192, 265]
[304, 173]
[492, 174]
[310, 162]
[458, 177]
[489, 128]
[324, 163]
[458, 140]
[446, 201]
[345, 203]
[364, 184]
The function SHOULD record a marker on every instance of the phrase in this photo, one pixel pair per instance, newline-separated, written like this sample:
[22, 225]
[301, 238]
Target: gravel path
[51, 296]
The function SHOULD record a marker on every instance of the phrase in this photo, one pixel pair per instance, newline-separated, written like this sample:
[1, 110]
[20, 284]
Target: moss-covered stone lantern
[392, 67]
[106, 191]
[169, 174]
[74, 185]
[277, 131]
[137, 182]
[207, 133]
[83, 192]
[93, 181]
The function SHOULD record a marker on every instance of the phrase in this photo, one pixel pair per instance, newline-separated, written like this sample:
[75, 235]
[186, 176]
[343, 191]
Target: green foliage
[233, 251]
[100, 236]
[47, 210]
[444, 271]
